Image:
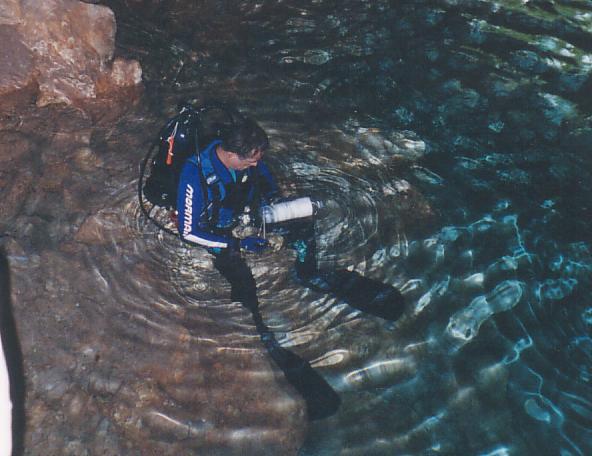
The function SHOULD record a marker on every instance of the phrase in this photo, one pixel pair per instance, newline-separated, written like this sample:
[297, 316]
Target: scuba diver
[220, 183]
[214, 191]
[210, 192]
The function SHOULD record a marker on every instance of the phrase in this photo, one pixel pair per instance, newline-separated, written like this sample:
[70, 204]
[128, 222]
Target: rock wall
[60, 51]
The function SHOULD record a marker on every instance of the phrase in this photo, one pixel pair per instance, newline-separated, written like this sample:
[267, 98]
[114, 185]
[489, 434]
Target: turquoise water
[452, 142]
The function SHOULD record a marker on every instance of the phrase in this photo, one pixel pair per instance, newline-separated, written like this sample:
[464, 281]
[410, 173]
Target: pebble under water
[450, 141]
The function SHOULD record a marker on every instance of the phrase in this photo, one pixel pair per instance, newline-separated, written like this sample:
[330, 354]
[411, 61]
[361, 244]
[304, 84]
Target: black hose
[143, 164]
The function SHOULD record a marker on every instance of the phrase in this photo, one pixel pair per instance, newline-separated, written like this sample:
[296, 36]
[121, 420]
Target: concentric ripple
[448, 142]
[177, 342]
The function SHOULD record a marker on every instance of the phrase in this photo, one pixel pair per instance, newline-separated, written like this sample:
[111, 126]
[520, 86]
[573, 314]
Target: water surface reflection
[449, 140]
[479, 106]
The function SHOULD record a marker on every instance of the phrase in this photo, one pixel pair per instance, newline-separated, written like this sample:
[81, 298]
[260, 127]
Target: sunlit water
[451, 144]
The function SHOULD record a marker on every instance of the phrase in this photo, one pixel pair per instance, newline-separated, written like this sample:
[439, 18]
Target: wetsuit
[210, 197]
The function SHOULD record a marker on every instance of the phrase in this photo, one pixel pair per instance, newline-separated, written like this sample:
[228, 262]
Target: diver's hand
[253, 244]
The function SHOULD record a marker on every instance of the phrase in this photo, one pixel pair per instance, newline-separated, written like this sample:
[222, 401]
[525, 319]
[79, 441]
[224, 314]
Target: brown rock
[17, 80]
[65, 47]
[14, 188]
[19, 73]
[123, 73]
[10, 12]
[86, 160]
[102, 228]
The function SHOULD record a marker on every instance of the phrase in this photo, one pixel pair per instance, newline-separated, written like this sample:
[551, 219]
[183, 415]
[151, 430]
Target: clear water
[452, 141]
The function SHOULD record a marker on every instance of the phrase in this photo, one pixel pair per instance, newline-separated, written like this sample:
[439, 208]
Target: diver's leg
[300, 236]
[234, 269]
[321, 400]
[243, 289]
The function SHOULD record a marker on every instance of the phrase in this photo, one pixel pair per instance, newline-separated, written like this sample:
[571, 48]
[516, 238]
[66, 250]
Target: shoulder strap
[212, 187]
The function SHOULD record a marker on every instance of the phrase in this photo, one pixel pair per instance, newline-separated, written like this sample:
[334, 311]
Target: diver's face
[239, 163]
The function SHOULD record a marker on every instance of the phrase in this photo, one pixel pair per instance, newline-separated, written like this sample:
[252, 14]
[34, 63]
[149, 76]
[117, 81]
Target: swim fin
[365, 294]
[321, 400]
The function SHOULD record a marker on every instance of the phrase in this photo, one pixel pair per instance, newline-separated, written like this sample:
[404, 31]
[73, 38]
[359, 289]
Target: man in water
[226, 180]
[217, 186]
[226, 183]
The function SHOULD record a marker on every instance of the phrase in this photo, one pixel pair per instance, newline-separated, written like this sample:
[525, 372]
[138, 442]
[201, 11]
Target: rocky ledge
[60, 51]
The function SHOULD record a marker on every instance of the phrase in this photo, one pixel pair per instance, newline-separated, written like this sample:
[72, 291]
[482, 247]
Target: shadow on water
[321, 400]
[13, 356]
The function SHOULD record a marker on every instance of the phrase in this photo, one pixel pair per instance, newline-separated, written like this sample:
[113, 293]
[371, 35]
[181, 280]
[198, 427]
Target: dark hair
[243, 136]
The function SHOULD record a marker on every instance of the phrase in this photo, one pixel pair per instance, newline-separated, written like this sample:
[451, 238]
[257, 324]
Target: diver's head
[243, 137]
[243, 144]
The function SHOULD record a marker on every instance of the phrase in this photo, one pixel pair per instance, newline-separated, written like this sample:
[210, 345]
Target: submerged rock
[378, 146]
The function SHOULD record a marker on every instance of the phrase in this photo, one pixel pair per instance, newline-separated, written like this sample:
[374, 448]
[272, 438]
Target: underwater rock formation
[60, 51]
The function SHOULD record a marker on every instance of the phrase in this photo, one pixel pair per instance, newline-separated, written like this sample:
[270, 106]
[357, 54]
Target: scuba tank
[178, 140]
